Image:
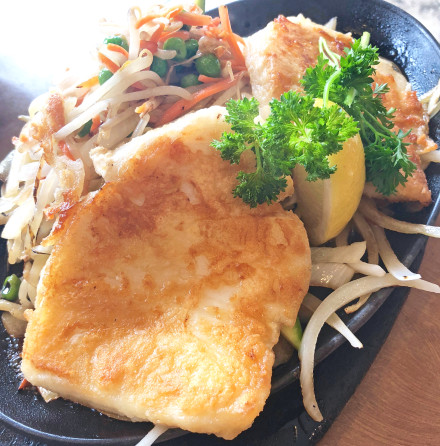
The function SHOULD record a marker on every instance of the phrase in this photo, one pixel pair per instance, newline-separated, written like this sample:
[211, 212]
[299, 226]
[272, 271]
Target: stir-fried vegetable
[117, 40]
[188, 80]
[85, 130]
[293, 334]
[159, 66]
[192, 45]
[11, 285]
[208, 65]
[104, 75]
[178, 45]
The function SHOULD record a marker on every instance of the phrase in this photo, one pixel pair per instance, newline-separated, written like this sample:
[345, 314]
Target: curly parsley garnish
[347, 81]
[296, 132]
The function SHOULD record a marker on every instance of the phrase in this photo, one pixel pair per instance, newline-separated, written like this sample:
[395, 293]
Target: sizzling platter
[389, 28]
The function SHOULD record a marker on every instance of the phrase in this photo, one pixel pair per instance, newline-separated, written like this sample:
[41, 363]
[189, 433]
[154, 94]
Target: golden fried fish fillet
[277, 58]
[164, 295]
[409, 116]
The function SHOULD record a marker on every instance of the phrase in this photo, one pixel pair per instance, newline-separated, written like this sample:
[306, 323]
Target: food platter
[401, 39]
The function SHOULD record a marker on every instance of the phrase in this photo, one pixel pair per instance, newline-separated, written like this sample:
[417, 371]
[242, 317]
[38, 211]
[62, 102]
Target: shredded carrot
[157, 33]
[146, 19]
[184, 35]
[65, 150]
[183, 105]
[213, 30]
[215, 21]
[169, 13]
[192, 19]
[174, 12]
[80, 100]
[150, 46]
[230, 36]
[89, 82]
[237, 65]
[239, 38]
[108, 63]
[96, 122]
[117, 49]
[207, 80]
[24, 383]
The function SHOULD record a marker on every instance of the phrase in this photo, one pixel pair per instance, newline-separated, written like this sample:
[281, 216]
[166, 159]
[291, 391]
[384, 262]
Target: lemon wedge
[326, 206]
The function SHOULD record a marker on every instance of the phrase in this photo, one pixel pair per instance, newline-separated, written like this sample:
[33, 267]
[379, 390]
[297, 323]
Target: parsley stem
[363, 132]
[258, 156]
[324, 49]
[328, 84]
[350, 96]
[378, 123]
[373, 129]
[365, 39]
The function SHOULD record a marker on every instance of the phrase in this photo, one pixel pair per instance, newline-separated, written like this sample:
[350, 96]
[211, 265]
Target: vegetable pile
[189, 48]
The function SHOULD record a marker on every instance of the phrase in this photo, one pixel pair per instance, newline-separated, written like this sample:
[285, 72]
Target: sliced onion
[153, 435]
[28, 171]
[368, 269]
[48, 395]
[35, 271]
[167, 90]
[329, 305]
[45, 196]
[6, 204]
[431, 100]
[367, 234]
[134, 34]
[112, 136]
[141, 63]
[330, 275]
[15, 309]
[131, 79]
[81, 119]
[392, 263]
[118, 118]
[19, 219]
[143, 122]
[369, 210]
[32, 293]
[341, 254]
[311, 303]
[15, 248]
[14, 174]
[421, 284]
[165, 54]
[361, 302]
[23, 293]
[342, 238]
[15, 327]
[230, 93]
